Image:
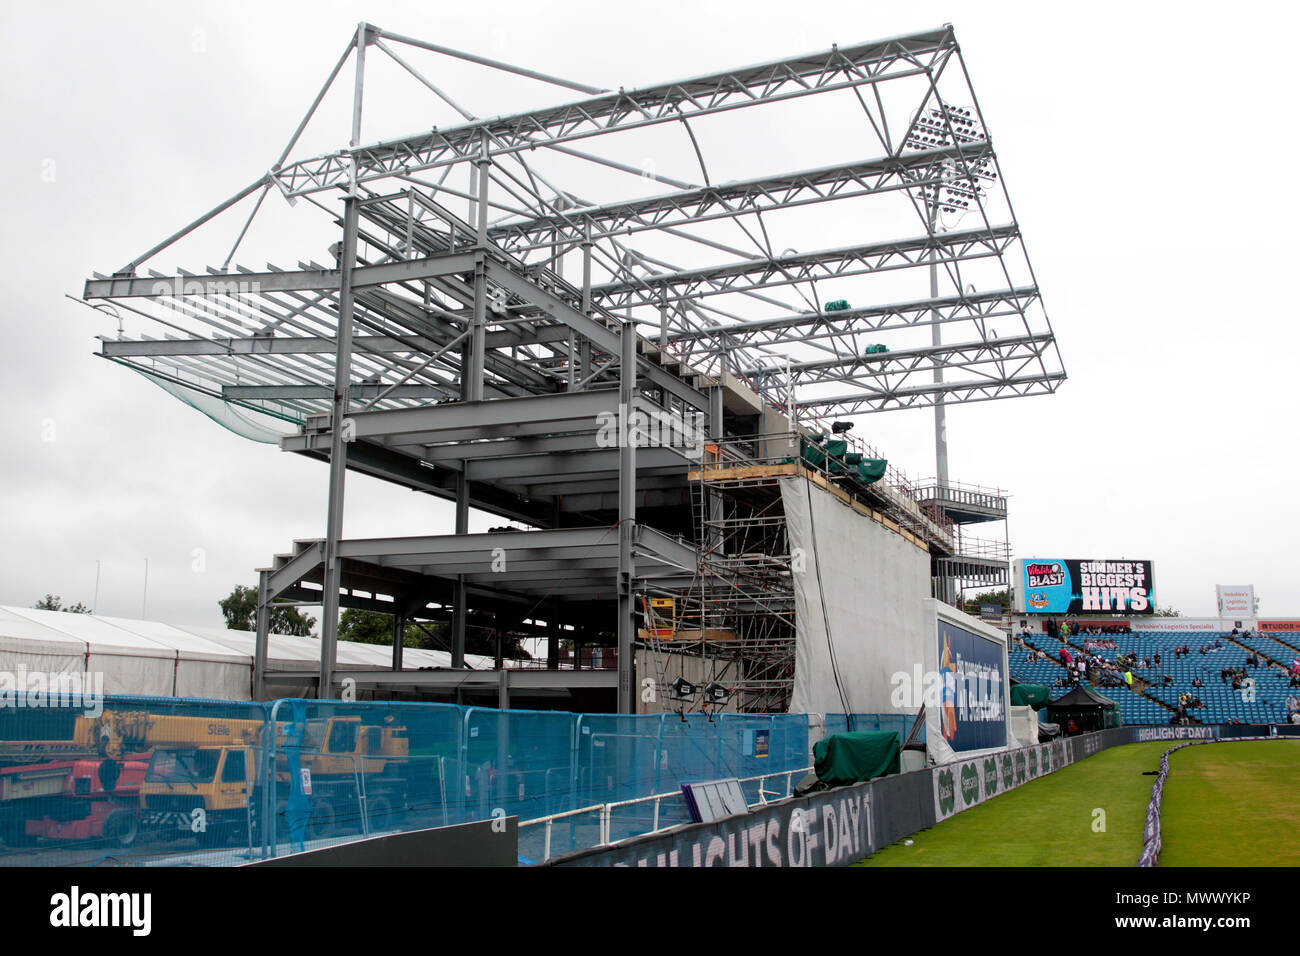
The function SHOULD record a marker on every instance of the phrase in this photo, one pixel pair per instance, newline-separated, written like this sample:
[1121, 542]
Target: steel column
[262, 639]
[626, 519]
[338, 451]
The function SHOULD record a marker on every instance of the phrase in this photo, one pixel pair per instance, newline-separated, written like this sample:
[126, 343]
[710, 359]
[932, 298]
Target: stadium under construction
[627, 349]
[650, 374]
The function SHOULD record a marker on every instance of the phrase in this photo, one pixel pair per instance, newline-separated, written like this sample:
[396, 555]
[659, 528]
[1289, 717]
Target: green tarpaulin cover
[854, 757]
[814, 456]
[872, 469]
[1029, 695]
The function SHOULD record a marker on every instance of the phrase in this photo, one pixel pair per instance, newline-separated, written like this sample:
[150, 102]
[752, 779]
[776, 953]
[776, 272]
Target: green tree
[1167, 612]
[52, 602]
[240, 611]
[1001, 598]
[375, 627]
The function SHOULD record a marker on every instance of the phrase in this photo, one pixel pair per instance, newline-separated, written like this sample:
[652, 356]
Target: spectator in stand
[1066, 656]
[1196, 682]
[1157, 658]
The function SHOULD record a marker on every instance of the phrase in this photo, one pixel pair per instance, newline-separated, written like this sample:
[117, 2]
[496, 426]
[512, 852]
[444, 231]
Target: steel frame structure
[472, 356]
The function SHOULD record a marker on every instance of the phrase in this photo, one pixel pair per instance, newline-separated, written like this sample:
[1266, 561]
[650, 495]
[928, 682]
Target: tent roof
[101, 634]
[1082, 697]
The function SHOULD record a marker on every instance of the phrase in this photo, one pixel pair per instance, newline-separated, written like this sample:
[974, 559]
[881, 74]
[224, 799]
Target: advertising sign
[1236, 600]
[1209, 625]
[960, 786]
[966, 685]
[1084, 585]
[827, 829]
[973, 689]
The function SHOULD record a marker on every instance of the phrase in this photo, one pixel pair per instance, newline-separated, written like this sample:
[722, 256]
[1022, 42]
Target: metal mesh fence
[134, 780]
[148, 781]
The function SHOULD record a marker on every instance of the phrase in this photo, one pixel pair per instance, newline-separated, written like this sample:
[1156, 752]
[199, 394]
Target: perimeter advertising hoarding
[1085, 585]
[1210, 625]
[970, 664]
[960, 786]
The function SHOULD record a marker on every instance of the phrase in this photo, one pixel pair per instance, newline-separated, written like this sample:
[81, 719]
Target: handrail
[605, 810]
[895, 488]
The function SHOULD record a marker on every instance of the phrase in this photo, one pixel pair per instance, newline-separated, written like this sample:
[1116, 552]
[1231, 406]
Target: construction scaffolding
[738, 612]
[527, 317]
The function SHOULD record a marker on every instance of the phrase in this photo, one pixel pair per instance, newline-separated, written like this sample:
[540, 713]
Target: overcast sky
[1145, 148]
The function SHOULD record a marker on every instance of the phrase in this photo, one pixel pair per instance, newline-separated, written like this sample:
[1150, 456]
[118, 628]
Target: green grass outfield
[1232, 804]
[1047, 822]
[1228, 804]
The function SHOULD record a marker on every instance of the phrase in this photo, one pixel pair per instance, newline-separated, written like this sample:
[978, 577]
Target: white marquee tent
[164, 660]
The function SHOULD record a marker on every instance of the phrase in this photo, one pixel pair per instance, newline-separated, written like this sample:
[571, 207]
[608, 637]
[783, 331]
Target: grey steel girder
[504, 417]
[835, 69]
[923, 396]
[709, 203]
[948, 247]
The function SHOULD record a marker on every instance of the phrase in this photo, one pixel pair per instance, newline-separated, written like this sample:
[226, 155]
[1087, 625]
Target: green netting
[836, 447]
[854, 757]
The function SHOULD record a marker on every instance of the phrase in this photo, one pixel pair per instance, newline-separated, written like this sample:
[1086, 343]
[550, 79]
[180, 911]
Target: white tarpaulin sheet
[1023, 726]
[858, 589]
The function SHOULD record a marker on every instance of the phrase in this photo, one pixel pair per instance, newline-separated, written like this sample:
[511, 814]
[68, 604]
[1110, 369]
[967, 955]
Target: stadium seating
[1222, 704]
